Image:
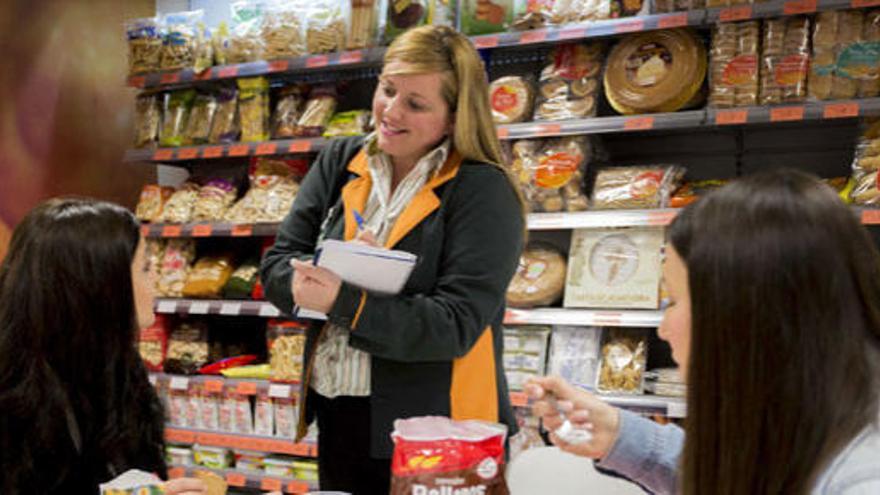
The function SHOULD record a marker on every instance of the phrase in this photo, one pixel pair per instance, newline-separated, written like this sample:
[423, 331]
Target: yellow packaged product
[208, 276]
[198, 127]
[152, 200]
[786, 60]
[734, 64]
[177, 108]
[656, 71]
[253, 108]
[351, 123]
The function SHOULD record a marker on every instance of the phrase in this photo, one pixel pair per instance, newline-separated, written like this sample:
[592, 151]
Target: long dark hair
[784, 368]
[68, 350]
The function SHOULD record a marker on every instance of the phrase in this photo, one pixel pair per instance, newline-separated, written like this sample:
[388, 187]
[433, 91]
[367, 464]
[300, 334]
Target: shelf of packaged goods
[778, 8]
[837, 109]
[189, 436]
[217, 307]
[245, 479]
[583, 317]
[671, 407]
[208, 229]
[602, 125]
[229, 150]
[217, 384]
[599, 219]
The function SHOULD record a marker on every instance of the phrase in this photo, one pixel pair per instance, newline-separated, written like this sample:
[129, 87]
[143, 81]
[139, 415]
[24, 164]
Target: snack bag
[177, 108]
[271, 193]
[253, 107]
[179, 253]
[285, 341]
[213, 200]
[144, 45]
[225, 126]
[201, 117]
[288, 111]
[351, 123]
[512, 99]
[187, 349]
[327, 22]
[636, 187]
[317, 112]
[569, 85]
[486, 16]
[183, 39]
[245, 42]
[152, 201]
[434, 454]
[147, 119]
[282, 30]
[622, 367]
[178, 208]
[208, 276]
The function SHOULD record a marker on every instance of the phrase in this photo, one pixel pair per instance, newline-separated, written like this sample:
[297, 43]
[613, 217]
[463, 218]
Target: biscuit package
[786, 60]
[511, 99]
[622, 368]
[733, 75]
[569, 84]
[327, 25]
[273, 188]
[637, 187]
[540, 278]
[364, 29]
[551, 173]
[846, 55]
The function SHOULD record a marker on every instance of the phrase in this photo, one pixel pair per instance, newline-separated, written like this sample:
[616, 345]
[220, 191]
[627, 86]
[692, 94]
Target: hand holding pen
[364, 235]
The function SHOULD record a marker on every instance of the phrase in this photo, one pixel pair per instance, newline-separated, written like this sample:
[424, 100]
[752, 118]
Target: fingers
[366, 236]
[186, 486]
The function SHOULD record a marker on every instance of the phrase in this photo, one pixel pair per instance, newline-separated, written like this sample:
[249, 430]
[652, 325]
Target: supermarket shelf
[208, 229]
[189, 436]
[600, 125]
[779, 8]
[215, 151]
[244, 479]
[217, 384]
[583, 317]
[598, 219]
[671, 407]
[216, 307]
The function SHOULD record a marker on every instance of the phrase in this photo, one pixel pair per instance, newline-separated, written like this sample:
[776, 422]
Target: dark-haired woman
[76, 406]
[774, 320]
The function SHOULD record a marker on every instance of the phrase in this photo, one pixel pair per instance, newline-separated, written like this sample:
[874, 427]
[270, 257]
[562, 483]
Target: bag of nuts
[286, 341]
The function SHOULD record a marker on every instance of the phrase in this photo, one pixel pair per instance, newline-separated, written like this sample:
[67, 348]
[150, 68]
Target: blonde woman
[428, 181]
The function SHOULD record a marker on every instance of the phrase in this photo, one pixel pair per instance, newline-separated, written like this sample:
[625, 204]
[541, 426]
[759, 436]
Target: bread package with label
[511, 99]
[485, 16]
[636, 187]
[866, 190]
[846, 55]
[624, 354]
[253, 108]
[786, 60]
[734, 64]
[569, 84]
[245, 40]
[655, 71]
[282, 30]
[147, 119]
[551, 173]
[614, 268]
[540, 278]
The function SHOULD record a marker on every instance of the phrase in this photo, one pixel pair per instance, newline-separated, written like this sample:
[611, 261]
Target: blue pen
[359, 219]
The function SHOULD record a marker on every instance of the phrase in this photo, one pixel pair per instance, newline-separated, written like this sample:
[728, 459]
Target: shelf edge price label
[639, 124]
[246, 388]
[613, 319]
[145, 230]
[632, 26]
[239, 150]
[572, 33]
[213, 386]
[187, 153]
[172, 231]
[503, 133]
[242, 230]
[300, 146]
[317, 61]
[163, 154]
[857, 4]
[278, 65]
[179, 383]
[230, 308]
[268, 311]
[786, 114]
[297, 487]
[176, 472]
[212, 152]
[166, 307]
[270, 484]
[236, 479]
[202, 230]
[740, 13]
[840, 110]
[137, 81]
[351, 57]
[266, 149]
[871, 217]
[676, 409]
[279, 391]
[199, 307]
[548, 129]
[731, 117]
[673, 21]
[227, 71]
[519, 399]
[535, 36]
[512, 317]
[793, 7]
[170, 78]
[486, 42]
[661, 217]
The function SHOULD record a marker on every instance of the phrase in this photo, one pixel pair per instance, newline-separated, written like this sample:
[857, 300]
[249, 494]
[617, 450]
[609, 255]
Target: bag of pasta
[198, 127]
[183, 39]
[245, 41]
[253, 108]
[208, 276]
[365, 24]
[636, 187]
[258, 204]
[225, 125]
[317, 113]
[144, 45]
[178, 208]
[147, 118]
[551, 174]
[188, 348]
[152, 202]
[242, 280]
[285, 341]
[178, 255]
[282, 30]
[288, 110]
[176, 115]
[327, 24]
[213, 200]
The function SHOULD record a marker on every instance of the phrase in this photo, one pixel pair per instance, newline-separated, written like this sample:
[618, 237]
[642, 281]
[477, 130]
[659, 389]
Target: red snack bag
[153, 344]
[434, 455]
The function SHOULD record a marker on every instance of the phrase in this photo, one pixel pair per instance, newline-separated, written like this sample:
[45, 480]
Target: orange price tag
[639, 124]
[172, 231]
[661, 217]
[841, 110]
[145, 230]
[300, 449]
[236, 479]
[270, 484]
[740, 13]
[176, 472]
[519, 399]
[212, 152]
[137, 81]
[179, 436]
[317, 61]
[202, 230]
[278, 65]
[871, 217]
[730, 117]
[786, 114]
[239, 150]
[673, 21]
[170, 78]
[213, 386]
[242, 230]
[300, 146]
[246, 388]
[630, 26]
[187, 153]
[297, 487]
[606, 318]
[486, 42]
[163, 154]
[793, 7]
[548, 129]
[512, 317]
[266, 149]
[572, 33]
[351, 57]
[856, 4]
[503, 133]
[227, 71]
[203, 75]
[535, 36]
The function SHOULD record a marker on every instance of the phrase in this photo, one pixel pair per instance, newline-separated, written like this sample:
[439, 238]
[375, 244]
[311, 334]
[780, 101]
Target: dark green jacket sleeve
[482, 241]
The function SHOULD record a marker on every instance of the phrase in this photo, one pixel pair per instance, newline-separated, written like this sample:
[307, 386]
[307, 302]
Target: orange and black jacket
[436, 348]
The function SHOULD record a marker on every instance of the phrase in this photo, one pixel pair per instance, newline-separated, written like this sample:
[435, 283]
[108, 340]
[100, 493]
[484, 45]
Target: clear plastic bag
[178, 255]
[351, 123]
[540, 278]
[208, 276]
[187, 349]
[733, 75]
[245, 41]
[282, 31]
[176, 115]
[253, 108]
[636, 187]
[786, 60]
[846, 55]
[144, 45]
[286, 341]
[214, 198]
[512, 99]
[225, 126]
[317, 113]
[178, 208]
[866, 190]
[147, 119]
[622, 368]
[569, 85]
[184, 37]
[288, 110]
[327, 24]
[551, 173]
[365, 24]
[271, 193]
[152, 201]
[201, 117]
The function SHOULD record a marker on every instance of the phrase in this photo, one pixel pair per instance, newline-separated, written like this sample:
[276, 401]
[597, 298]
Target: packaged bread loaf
[363, 31]
[198, 127]
[551, 173]
[175, 117]
[225, 125]
[866, 190]
[178, 255]
[288, 110]
[213, 200]
[245, 41]
[253, 108]
[152, 201]
[282, 30]
[540, 278]
[184, 36]
[786, 60]
[734, 64]
[144, 45]
[636, 187]
[178, 208]
[208, 276]
[327, 25]
[511, 99]
[485, 16]
[666, 6]
[318, 111]
[846, 55]
[656, 71]
[147, 119]
[569, 83]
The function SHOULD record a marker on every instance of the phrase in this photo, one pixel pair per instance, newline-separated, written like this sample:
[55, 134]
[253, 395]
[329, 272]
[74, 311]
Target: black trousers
[344, 461]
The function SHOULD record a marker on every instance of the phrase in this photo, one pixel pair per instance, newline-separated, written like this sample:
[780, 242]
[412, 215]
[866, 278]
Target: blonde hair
[465, 89]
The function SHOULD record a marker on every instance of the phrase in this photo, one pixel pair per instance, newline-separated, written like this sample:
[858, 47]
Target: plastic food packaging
[226, 411]
[253, 108]
[485, 16]
[245, 42]
[540, 278]
[665, 6]
[255, 371]
[187, 348]
[242, 280]
[184, 37]
[405, 14]
[866, 190]
[656, 71]
[208, 276]
[288, 110]
[152, 201]
[364, 29]
[176, 115]
[225, 126]
[285, 417]
[525, 353]
[242, 416]
[622, 369]
[271, 193]
[327, 24]
[179, 456]
[619, 188]
[212, 457]
[219, 41]
[317, 113]
[178, 208]
[155, 253]
[351, 123]
[846, 55]
[568, 87]
[689, 192]
[144, 45]
[178, 254]
[198, 127]
[512, 99]
[177, 401]
[209, 410]
[786, 60]
[574, 354]
[249, 462]
[280, 466]
[734, 64]
[213, 200]
[434, 454]
[285, 341]
[264, 419]
[551, 173]
[282, 30]
[153, 344]
[147, 119]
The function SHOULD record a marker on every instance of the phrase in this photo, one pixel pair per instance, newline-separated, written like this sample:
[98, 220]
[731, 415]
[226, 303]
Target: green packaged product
[242, 281]
[176, 116]
[486, 16]
[405, 14]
